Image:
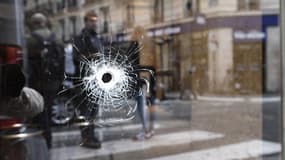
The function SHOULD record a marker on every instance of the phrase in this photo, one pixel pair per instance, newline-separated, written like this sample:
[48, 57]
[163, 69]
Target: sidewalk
[168, 147]
[72, 137]
[223, 98]
[130, 149]
[244, 150]
[202, 129]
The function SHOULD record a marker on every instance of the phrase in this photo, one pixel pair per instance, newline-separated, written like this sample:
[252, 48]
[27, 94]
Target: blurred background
[226, 43]
[218, 76]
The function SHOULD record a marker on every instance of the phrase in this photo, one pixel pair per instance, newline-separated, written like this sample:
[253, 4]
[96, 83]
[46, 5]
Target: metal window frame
[282, 38]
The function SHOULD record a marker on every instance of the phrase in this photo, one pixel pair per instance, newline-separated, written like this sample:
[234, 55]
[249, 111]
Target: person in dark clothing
[45, 68]
[86, 45]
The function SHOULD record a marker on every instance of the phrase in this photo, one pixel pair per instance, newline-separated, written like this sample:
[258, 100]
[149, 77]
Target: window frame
[282, 106]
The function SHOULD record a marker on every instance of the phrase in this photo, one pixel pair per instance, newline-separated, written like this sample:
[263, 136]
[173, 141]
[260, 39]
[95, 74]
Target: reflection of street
[202, 129]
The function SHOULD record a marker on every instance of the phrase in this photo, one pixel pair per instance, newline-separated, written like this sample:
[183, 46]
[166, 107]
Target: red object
[8, 123]
[11, 55]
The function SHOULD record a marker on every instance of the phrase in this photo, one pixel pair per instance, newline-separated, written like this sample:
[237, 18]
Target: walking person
[145, 101]
[87, 44]
[45, 68]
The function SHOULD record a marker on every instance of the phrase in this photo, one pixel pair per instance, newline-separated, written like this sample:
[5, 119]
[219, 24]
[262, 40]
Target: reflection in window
[73, 26]
[72, 3]
[130, 15]
[60, 5]
[189, 8]
[62, 26]
[158, 11]
[253, 4]
[212, 3]
[248, 4]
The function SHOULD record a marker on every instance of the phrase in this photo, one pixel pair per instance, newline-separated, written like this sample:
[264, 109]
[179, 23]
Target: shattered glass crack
[107, 80]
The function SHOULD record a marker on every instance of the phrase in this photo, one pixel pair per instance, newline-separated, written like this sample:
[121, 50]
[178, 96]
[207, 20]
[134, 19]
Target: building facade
[202, 46]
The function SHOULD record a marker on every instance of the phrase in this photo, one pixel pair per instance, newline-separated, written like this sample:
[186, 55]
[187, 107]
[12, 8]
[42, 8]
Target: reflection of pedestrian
[145, 101]
[88, 43]
[19, 105]
[45, 68]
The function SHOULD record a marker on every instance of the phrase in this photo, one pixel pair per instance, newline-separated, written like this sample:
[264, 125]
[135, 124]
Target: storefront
[211, 41]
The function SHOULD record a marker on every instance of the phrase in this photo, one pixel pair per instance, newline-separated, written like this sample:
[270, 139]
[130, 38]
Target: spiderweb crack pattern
[107, 80]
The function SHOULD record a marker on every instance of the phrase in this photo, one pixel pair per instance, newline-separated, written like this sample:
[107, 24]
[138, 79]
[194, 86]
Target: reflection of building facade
[214, 46]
